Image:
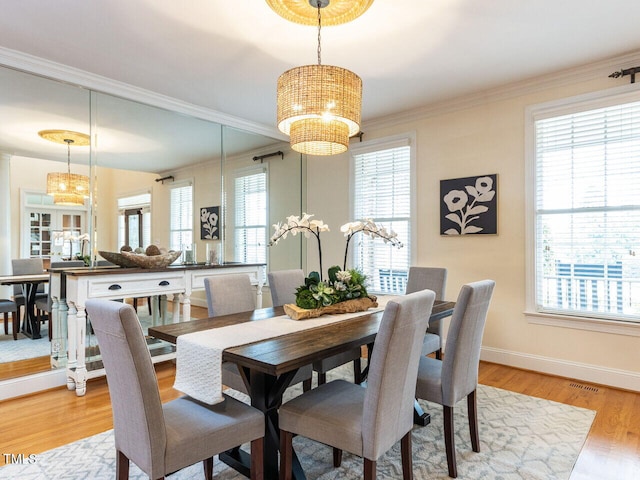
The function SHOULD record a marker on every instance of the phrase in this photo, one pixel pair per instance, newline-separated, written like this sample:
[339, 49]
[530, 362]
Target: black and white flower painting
[469, 205]
[209, 226]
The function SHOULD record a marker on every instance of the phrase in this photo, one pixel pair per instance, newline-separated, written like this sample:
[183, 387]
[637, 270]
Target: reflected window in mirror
[181, 221]
[250, 232]
[134, 221]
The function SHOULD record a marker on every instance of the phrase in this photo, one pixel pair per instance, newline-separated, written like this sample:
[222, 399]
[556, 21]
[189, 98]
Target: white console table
[71, 288]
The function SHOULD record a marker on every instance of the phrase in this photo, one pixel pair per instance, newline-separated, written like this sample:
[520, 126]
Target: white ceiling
[227, 55]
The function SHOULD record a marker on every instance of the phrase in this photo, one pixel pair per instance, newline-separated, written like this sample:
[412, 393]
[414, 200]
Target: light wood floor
[45, 420]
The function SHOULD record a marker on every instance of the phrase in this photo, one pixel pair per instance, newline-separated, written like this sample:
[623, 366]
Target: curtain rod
[262, 157]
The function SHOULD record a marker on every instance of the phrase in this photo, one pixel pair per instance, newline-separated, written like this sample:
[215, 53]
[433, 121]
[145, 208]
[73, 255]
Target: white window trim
[392, 141]
[179, 184]
[625, 94]
[245, 172]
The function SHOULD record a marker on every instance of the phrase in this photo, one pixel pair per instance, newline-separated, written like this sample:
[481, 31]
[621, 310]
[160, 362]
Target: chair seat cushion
[195, 429]
[430, 344]
[326, 364]
[330, 414]
[7, 305]
[429, 385]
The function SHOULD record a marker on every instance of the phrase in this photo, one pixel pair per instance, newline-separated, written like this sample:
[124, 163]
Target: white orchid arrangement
[342, 284]
[67, 236]
[369, 228]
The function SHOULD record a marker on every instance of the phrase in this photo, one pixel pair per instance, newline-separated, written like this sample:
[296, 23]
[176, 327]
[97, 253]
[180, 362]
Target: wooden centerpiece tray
[348, 306]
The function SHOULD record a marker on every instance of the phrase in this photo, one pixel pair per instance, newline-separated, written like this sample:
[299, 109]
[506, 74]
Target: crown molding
[528, 86]
[64, 73]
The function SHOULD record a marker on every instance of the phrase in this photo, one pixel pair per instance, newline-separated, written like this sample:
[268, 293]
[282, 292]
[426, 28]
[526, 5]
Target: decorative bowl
[153, 261]
[136, 260]
[348, 306]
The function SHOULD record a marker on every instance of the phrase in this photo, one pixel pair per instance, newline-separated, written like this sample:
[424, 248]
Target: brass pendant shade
[319, 107]
[67, 188]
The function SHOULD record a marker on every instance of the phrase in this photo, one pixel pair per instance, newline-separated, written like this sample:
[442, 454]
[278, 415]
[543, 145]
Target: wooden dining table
[29, 284]
[268, 366]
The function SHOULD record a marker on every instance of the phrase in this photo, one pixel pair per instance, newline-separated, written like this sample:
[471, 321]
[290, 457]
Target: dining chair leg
[322, 378]
[257, 459]
[357, 371]
[449, 441]
[472, 407]
[306, 385]
[6, 323]
[439, 354]
[122, 466]
[406, 452]
[369, 469]
[208, 468]
[16, 324]
[286, 455]
[337, 457]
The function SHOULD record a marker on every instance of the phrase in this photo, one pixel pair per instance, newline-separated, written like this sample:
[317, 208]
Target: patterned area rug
[521, 437]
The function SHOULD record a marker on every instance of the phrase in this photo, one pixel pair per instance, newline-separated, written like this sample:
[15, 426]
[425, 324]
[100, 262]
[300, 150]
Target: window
[382, 191]
[586, 209]
[250, 232]
[134, 221]
[181, 224]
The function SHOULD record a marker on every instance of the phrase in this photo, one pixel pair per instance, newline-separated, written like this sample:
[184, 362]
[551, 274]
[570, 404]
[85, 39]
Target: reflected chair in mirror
[44, 305]
[366, 421]
[435, 279]
[283, 285]
[10, 307]
[162, 439]
[228, 294]
[27, 266]
[448, 381]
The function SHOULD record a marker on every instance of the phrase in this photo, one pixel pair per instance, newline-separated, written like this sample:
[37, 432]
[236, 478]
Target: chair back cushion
[138, 420]
[427, 278]
[391, 385]
[227, 294]
[464, 339]
[26, 266]
[283, 285]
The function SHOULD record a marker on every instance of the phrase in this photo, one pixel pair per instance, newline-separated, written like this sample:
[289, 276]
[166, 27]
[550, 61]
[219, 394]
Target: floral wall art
[209, 226]
[469, 205]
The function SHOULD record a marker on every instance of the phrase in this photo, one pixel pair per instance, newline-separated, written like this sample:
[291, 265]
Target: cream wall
[485, 137]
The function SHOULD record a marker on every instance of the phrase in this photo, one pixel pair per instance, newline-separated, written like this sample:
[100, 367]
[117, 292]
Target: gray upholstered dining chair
[435, 279]
[448, 381]
[366, 421]
[228, 294]
[10, 307]
[283, 284]
[44, 305]
[26, 266]
[162, 439]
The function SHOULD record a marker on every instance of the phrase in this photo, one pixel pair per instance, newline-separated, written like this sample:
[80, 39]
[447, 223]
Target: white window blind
[181, 221]
[382, 192]
[587, 213]
[251, 216]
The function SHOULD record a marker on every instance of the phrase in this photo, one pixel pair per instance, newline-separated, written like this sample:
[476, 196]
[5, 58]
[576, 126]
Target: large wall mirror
[142, 161]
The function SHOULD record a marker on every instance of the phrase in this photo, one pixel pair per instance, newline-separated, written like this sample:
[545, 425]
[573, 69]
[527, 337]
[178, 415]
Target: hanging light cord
[319, 28]
[68, 141]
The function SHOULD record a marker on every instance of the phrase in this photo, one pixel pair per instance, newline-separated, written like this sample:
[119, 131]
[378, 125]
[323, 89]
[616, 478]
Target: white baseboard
[17, 387]
[580, 371]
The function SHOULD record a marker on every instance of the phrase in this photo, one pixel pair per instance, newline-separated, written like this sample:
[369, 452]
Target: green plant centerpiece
[345, 290]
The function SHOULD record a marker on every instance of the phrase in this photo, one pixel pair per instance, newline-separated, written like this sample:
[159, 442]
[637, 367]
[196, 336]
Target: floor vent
[588, 388]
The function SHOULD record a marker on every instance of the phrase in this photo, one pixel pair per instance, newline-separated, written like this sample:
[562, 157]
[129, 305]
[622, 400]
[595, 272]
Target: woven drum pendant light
[67, 188]
[319, 106]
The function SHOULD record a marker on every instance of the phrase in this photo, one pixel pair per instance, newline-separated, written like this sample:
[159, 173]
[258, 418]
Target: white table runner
[199, 354]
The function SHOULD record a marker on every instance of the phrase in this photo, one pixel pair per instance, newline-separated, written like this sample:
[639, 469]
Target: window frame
[556, 108]
[176, 185]
[407, 139]
[248, 171]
